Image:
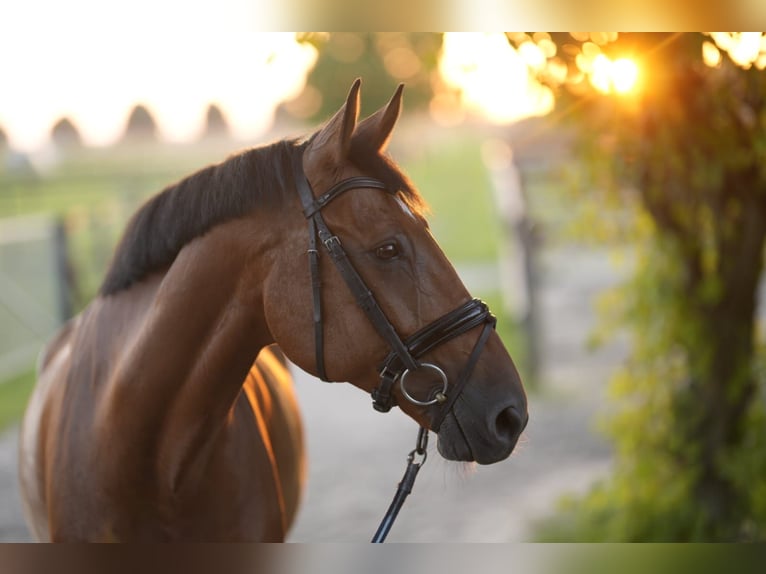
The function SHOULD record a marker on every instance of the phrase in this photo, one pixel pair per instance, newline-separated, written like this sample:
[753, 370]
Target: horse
[165, 410]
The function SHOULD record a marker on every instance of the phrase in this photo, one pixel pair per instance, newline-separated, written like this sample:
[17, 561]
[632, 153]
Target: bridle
[404, 355]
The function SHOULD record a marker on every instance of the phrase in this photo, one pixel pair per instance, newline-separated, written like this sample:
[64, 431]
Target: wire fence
[36, 288]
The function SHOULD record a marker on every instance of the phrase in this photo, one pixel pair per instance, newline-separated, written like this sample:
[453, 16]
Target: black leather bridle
[404, 355]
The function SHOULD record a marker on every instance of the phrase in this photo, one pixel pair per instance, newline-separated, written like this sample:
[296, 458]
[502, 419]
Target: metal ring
[433, 401]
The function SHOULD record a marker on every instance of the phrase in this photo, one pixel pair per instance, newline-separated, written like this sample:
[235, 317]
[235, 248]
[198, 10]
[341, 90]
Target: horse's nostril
[510, 423]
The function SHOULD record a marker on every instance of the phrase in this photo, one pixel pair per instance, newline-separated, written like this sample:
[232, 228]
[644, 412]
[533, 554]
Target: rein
[403, 357]
[404, 488]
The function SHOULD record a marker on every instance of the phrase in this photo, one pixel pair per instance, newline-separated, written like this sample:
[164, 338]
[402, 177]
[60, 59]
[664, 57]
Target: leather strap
[404, 354]
[453, 324]
[364, 297]
[309, 209]
[455, 392]
[316, 295]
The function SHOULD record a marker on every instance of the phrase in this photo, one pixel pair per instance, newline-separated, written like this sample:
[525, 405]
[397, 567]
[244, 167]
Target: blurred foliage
[382, 59]
[687, 151]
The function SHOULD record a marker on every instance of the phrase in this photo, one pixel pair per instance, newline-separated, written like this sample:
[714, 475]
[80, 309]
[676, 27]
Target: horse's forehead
[405, 208]
[373, 207]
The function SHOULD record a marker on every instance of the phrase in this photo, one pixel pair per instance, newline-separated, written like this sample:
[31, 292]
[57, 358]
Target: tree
[65, 135]
[689, 152]
[141, 125]
[383, 60]
[215, 123]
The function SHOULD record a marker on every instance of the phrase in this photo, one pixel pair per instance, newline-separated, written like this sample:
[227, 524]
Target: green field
[14, 394]
[96, 190]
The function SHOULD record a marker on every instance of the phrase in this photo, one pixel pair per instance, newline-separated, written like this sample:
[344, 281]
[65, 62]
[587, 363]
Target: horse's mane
[255, 179]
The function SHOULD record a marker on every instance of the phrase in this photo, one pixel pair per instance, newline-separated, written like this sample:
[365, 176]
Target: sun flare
[492, 77]
[613, 76]
[624, 75]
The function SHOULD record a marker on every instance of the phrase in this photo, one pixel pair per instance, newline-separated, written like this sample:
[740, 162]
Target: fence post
[518, 265]
[63, 271]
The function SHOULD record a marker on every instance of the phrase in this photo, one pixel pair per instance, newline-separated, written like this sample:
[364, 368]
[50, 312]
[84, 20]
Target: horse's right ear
[376, 129]
[332, 143]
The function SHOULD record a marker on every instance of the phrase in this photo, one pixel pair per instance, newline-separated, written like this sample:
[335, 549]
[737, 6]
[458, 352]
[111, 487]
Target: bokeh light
[492, 77]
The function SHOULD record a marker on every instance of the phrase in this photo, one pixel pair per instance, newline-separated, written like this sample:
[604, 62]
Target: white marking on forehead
[404, 207]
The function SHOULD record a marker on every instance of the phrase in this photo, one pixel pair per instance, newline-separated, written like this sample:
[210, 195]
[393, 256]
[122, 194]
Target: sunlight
[624, 75]
[94, 71]
[744, 48]
[492, 77]
[711, 55]
[608, 76]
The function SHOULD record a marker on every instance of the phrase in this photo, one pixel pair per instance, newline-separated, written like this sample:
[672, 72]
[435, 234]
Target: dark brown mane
[187, 209]
[255, 179]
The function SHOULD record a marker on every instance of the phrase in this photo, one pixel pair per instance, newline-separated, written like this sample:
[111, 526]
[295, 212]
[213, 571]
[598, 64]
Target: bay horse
[165, 410]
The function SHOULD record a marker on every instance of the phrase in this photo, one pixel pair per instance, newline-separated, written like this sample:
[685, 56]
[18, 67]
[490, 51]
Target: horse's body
[165, 412]
[236, 476]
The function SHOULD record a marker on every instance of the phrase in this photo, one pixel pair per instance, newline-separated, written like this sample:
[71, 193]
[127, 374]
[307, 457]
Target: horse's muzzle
[508, 426]
[484, 435]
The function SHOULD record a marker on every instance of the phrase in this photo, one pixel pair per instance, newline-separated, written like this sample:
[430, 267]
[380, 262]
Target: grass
[454, 181]
[510, 333]
[14, 394]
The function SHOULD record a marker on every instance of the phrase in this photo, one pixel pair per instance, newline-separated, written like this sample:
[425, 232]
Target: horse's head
[419, 320]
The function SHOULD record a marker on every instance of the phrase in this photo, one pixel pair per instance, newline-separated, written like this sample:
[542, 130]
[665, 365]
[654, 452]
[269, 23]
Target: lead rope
[405, 486]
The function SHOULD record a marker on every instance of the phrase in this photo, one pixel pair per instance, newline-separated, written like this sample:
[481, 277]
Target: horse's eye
[387, 251]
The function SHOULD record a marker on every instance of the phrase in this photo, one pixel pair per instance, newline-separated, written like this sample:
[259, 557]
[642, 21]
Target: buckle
[332, 242]
[380, 404]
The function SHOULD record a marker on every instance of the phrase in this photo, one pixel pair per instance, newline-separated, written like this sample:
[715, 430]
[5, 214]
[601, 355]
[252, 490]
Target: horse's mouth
[454, 444]
[455, 448]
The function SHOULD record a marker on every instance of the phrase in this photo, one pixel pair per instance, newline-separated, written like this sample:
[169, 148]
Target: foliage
[653, 493]
[690, 154]
[383, 60]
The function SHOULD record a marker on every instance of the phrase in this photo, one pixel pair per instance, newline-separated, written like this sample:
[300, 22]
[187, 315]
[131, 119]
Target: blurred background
[604, 192]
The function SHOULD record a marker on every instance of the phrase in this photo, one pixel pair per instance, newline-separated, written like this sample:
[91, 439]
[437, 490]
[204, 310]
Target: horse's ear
[376, 130]
[333, 141]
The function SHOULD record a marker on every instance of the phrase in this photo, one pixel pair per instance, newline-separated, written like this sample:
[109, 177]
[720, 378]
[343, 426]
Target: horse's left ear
[331, 144]
[376, 130]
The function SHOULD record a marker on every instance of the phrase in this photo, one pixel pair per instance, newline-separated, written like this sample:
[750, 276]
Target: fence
[35, 288]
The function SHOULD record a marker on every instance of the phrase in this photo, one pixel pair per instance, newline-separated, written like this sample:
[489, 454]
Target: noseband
[404, 355]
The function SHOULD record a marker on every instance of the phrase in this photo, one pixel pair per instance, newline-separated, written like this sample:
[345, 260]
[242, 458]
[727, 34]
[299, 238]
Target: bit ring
[441, 395]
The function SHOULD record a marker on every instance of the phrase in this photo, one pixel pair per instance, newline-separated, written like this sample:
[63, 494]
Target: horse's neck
[185, 363]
